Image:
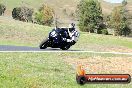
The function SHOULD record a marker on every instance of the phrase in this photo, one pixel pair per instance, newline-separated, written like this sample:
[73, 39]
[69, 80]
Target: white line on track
[96, 52]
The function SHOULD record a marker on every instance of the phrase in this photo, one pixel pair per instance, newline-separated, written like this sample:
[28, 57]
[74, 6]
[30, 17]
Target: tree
[124, 2]
[45, 15]
[90, 15]
[22, 14]
[119, 22]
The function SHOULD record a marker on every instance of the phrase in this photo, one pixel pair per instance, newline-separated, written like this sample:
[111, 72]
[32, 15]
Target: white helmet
[71, 27]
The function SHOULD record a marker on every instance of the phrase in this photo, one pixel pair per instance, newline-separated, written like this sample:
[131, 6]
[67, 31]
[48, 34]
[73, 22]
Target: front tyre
[44, 44]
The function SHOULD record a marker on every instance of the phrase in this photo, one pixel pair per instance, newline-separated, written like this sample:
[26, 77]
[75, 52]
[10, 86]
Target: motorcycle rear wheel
[65, 47]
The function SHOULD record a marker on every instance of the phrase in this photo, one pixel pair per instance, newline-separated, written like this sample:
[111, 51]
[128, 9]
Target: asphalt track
[27, 48]
[10, 48]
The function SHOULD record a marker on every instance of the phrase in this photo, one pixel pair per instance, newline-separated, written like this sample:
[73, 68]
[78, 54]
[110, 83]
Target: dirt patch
[118, 49]
[8, 12]
[109, 48]
[101, 65]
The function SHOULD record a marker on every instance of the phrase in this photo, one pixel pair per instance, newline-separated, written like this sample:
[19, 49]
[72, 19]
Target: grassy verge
[34, 70]
[21, 33]
[96, 41]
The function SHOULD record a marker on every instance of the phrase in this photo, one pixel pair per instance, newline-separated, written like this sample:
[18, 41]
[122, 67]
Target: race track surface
[26, 48]
[10, 48]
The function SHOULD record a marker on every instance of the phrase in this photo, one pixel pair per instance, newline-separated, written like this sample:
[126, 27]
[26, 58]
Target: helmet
[71, 27]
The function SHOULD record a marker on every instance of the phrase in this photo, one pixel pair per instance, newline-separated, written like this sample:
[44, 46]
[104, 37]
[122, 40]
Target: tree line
[89, 14]
[91, 18]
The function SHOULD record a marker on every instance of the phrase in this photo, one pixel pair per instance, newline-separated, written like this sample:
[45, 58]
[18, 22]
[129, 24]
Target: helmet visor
[71, 29]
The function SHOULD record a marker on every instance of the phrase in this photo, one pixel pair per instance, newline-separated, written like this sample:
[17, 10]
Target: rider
[72, 33]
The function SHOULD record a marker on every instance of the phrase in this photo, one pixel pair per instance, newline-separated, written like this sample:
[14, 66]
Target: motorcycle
[57, 39]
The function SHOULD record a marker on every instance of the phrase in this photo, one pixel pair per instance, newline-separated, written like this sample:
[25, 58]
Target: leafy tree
[119, 22]
[45, 15]
[104, 31]
[90, 15]
[124, 2]
[22, 14]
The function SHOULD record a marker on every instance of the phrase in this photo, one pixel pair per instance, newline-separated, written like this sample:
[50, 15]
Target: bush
[22, 14]
[16, 13]
[104, 31]
[2, 9]
[126, 31]
[99, 29]
[45, 15]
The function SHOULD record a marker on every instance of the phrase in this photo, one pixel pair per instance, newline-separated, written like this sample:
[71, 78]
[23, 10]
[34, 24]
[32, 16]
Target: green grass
[27, 34]
[20, 33]
[36, 70]
[95, 41]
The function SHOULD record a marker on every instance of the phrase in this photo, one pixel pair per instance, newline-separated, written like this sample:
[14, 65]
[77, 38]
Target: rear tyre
[65, 47]
[44, 44]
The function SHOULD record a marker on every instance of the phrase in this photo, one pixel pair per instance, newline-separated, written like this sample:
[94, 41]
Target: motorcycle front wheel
[44, 44]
